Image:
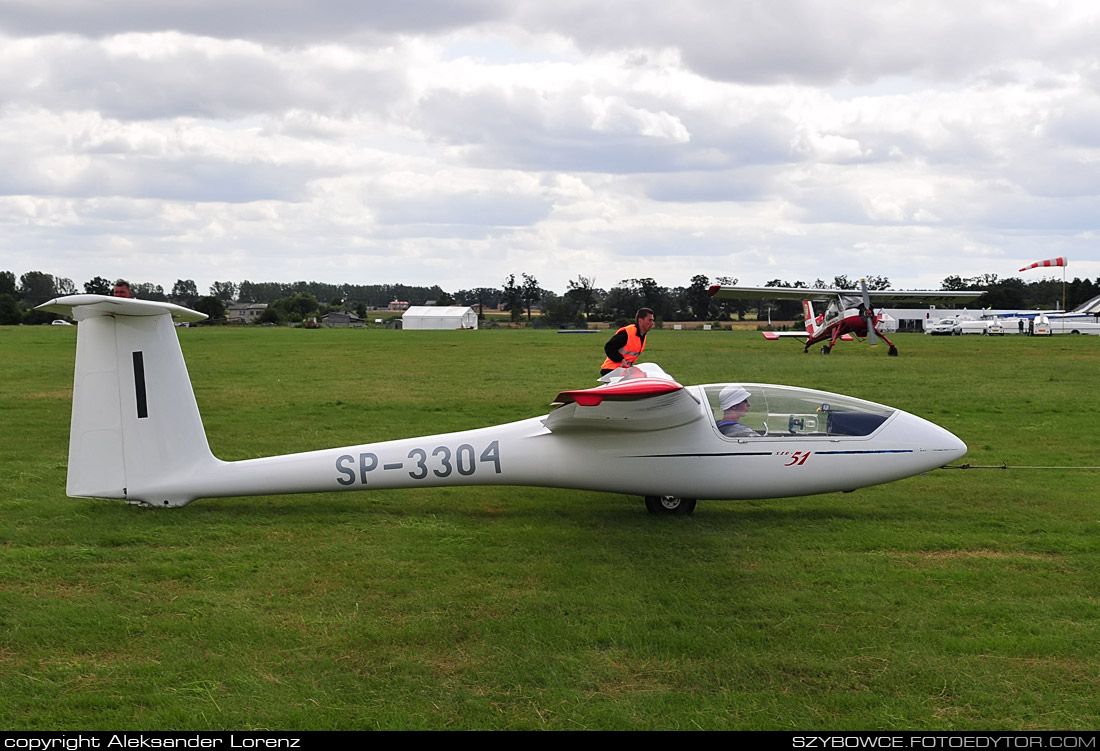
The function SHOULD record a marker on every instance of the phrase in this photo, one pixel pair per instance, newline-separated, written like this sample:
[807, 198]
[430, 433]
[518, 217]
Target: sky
[455, 142]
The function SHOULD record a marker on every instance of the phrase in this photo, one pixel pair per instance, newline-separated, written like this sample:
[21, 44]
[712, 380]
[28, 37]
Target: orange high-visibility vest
[630, 352]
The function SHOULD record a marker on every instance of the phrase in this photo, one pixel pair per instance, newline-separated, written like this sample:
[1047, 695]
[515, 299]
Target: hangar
[426, 317]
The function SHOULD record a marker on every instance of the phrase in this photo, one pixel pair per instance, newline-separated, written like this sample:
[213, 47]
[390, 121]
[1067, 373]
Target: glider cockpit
[787, 411]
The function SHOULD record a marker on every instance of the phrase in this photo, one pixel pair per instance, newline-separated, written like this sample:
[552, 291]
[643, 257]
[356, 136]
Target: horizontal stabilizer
[774, 335]
[88, 306]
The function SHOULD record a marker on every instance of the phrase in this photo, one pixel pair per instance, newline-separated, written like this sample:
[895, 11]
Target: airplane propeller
[868, 314]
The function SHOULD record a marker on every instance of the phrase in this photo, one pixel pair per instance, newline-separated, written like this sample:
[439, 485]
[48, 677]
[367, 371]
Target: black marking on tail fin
[139, 385]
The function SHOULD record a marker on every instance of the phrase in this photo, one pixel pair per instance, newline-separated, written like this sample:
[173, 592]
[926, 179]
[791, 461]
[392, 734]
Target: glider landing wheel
[824, 349]
[669, 504]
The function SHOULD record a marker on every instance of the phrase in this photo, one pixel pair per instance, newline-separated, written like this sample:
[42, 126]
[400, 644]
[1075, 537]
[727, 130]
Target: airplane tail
[135, 423]
[811, 321]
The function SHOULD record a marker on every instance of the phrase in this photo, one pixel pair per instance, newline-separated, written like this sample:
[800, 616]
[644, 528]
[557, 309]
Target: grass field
[963, 599]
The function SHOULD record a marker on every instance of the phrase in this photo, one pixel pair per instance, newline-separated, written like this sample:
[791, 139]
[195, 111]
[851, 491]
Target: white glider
[136, 434]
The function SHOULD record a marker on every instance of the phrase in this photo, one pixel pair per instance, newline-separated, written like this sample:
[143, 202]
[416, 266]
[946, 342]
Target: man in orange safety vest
[627, 345]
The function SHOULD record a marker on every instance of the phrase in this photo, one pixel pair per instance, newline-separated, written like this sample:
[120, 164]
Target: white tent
[424, 317]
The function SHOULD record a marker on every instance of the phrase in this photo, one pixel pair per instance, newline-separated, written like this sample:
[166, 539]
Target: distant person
[122, 289]
[733, 400]
[627, 345]
[1021, 326]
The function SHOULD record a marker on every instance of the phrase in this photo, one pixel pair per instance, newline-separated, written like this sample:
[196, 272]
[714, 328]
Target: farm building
[342, 319]
[422, 317]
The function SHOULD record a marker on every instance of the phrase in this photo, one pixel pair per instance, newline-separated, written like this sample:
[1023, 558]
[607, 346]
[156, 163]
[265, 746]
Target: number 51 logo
[798, 458]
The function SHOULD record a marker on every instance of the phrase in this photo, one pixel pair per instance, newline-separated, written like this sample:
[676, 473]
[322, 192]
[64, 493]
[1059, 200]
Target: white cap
[731, 395]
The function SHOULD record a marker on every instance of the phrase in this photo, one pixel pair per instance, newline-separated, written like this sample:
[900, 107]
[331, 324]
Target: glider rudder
[135, 422]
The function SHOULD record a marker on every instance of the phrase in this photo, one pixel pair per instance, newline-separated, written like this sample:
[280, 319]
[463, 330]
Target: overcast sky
[454, 142]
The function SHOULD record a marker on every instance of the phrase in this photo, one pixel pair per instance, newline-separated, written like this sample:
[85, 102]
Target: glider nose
[953, 447]
[935, 445]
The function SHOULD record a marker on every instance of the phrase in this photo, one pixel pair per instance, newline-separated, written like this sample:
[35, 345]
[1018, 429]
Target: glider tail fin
[135, 428]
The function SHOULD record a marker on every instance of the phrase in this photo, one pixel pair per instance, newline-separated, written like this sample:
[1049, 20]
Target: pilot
[626, 346]
[733, 400]
[122, 289]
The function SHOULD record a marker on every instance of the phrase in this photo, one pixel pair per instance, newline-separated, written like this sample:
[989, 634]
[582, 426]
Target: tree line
[582, 301]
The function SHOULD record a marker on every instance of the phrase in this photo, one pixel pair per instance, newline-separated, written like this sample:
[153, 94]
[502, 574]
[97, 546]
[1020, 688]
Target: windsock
[1059, 261]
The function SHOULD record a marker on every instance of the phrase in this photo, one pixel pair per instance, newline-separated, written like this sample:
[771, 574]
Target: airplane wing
[635, 405]
[772, 293]
[928, 297]
[818, 294]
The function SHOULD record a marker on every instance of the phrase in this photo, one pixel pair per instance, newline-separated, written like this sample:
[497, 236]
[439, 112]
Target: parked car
[994, 327]
[944, 327]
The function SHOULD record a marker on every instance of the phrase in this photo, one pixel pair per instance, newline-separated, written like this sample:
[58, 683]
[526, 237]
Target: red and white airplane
[136, 434]
[848, 313]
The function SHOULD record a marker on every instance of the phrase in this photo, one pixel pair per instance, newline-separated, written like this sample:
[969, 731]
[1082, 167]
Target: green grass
[957, 600]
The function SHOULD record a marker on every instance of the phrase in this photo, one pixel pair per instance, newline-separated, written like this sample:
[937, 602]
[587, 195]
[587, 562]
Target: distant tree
[213, 307]
[1009, 294]
[34, 317]
[511, 298]
[267, 292]
[64, 286]
[530, 293]
[728, 307]
[444, 300]
[185, 292]
[36, 287]
[97, 285]
[1079, 291]
[9, 310]
[297, 306]
[224, 291]
[7, 283]
[843, 282]
[582, 292]
[698, 301]
[149, 291]
[788, 310]
[651, 295]
[621, 303]
[273, 315]
[561, 311]
[479, 297]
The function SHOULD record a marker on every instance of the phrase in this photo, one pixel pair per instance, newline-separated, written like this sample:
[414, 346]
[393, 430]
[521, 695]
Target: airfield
[961, 599]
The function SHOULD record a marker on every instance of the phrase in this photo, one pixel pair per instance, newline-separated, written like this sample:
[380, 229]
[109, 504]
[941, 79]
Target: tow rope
[1005, 466]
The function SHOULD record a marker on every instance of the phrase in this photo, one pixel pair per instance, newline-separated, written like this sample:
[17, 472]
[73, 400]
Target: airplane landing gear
[825, 349]
[893, 351]
[669, 504]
